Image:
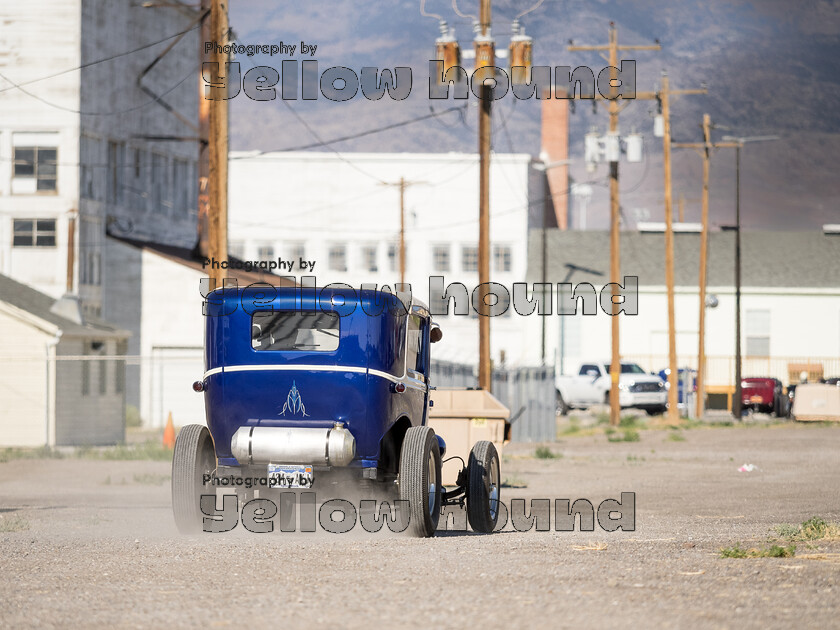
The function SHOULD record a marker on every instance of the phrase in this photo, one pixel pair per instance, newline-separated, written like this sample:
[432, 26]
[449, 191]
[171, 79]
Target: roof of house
[768, 259]
[184, 256]
[41, 306]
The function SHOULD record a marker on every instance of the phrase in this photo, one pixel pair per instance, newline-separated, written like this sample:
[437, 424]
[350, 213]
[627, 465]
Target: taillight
[198, 386]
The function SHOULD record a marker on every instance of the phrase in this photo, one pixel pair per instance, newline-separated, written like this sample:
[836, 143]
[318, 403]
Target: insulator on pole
[658, 126]
[633, 147]
[521, 51]
[447, 49]
[485, 55]
[592, 150]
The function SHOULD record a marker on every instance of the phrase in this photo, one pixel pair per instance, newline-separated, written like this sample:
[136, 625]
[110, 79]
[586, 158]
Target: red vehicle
[764, 395]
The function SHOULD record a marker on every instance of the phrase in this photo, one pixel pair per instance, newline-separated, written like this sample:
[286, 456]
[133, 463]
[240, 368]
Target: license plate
[290, 476]
[756, 399]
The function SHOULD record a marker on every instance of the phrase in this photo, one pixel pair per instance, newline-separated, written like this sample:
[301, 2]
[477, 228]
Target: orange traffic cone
[169, 433]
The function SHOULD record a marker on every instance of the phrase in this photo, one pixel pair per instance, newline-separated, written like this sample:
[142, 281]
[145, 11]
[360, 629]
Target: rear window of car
[305, 331]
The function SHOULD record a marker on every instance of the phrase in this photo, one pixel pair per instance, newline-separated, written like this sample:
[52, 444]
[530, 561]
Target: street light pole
[544, 166]
[739, 143]
[736, 407]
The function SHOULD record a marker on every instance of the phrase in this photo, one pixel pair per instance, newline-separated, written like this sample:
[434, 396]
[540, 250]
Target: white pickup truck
[591, 386]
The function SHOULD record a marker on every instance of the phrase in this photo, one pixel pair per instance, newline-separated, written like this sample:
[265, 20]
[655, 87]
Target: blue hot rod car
[305, 385]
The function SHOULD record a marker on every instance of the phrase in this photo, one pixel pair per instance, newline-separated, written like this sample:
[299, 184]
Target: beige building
[62, 381]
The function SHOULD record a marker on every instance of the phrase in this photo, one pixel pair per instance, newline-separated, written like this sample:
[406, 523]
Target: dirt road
[87, 543]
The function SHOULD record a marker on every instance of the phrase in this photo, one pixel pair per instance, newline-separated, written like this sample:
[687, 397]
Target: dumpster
[466, 416]
[816, 402]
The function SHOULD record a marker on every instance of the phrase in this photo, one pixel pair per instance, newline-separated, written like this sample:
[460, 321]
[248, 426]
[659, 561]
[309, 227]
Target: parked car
[765, 395]
[683, 374]
[832, 380]
[591, 386]
[306, 387]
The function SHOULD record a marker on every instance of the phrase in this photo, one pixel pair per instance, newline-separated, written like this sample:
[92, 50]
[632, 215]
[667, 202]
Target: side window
[414, 344]
[585, 368]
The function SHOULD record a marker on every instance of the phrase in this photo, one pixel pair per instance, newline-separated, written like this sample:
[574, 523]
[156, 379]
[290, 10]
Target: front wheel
[194, 457]
[483, 487]
[420, 480]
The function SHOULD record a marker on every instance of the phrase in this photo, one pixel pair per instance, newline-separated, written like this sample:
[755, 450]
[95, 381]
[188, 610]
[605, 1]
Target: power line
[360, 134]
[98, 61]
[192, 73]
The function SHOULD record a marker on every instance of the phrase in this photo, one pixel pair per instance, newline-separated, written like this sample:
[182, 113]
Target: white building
[100, 138]
[343, 213]
[790, 302]
[160, 298]
[77, 158]
[62, 382]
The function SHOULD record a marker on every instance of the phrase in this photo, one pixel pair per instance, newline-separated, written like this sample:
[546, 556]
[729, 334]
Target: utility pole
[705, 149]
[201, 247]
[485, 376]
[615, 267]
[218, 150]
[402, 185]
[673, 376]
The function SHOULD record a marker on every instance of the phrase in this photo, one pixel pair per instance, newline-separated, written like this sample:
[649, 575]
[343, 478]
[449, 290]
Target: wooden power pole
[201, 248]
[212, 145]
[484, 58]
[673, 376]
[402, 185]
[615, 214]
[705, 149]
[218, 150]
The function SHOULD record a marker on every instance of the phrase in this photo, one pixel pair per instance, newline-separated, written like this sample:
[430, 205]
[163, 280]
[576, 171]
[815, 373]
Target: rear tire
[484, 487]
[420, 480]
[194, 457]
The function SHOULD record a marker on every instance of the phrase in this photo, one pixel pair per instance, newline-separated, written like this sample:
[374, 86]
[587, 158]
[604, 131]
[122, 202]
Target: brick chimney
[554, 148]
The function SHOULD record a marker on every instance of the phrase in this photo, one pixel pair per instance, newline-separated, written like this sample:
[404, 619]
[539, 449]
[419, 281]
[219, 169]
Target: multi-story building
[98, 138]
[342, 212]
[97, 135]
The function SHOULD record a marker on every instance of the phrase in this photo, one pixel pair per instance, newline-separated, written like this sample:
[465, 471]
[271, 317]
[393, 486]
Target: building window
[89, 268]
[440, 257]
[296, 252]
[116, 164]
[469, 258]
[34, 233]
[265, 252]
[181, 180]
[159, 183]
[337, 258]
[236, 249]
[369, 258]
[139, 189]
[501, 258]
[758, 332]
[88, 168]
[38, 163]
[394, 257]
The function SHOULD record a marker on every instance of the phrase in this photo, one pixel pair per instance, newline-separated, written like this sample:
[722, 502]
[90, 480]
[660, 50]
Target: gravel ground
[88, 543]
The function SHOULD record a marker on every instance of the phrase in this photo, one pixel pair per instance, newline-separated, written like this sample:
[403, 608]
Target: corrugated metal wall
[527, 391]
